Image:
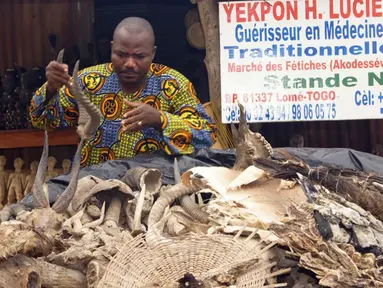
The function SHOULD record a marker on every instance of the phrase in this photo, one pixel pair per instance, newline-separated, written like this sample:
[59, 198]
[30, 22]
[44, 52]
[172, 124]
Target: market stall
[252, 214]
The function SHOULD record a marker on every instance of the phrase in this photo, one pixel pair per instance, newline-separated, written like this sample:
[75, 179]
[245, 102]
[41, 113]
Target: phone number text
[282, 112]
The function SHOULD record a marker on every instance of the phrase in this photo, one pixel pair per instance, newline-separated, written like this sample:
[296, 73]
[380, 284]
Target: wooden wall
[26, 24]
[24, 29]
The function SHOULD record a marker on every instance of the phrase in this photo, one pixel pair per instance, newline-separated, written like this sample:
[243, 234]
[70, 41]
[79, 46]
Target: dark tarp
[343, 158]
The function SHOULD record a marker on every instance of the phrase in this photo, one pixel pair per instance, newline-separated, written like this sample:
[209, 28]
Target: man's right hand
[57, 76]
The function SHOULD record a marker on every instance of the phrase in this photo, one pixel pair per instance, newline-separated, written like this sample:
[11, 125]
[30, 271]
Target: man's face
[132, 56]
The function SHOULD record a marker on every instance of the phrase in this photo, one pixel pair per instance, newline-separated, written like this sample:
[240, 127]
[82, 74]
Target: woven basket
[138, 265]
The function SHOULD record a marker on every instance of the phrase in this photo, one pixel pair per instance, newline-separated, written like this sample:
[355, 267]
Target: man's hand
[140, 116]
[57, 76]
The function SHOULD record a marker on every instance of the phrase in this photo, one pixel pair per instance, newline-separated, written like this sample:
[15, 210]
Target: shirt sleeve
[189, 127]
[59, 112]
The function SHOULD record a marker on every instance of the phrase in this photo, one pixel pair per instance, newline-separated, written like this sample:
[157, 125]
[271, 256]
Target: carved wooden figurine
[31, 178]
[51, 168]
[3, 180]
[16, 182]
[66, 166]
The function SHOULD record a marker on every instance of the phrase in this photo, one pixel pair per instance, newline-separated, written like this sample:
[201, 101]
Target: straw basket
[139, 265]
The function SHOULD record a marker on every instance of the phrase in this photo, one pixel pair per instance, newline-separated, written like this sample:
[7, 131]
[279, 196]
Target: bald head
[135, 27]
[133, 51]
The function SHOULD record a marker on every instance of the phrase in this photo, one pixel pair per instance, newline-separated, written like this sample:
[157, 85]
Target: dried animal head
[248, 145]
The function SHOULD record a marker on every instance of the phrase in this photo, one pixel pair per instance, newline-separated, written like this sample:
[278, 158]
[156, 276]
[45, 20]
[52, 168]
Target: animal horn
[66, 197]
[60, 56]
[242, 127]
[89, 115]
[37, 189]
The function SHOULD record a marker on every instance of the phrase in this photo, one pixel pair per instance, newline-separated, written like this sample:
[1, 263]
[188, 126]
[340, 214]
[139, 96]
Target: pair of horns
[41, 195]
[89, 121]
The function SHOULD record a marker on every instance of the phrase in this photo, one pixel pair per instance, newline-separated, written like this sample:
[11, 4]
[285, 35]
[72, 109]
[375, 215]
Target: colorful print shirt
[186, 127]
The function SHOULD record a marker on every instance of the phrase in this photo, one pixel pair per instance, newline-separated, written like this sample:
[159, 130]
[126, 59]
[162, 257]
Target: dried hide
[259, 195]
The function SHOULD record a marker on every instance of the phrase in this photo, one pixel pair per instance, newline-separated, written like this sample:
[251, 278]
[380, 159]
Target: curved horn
[37, 189]
[242, 127]
[66, 197]
[89, 115]
[60, 56]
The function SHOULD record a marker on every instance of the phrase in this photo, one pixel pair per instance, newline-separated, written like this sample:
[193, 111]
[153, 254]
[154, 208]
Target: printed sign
[301, 60]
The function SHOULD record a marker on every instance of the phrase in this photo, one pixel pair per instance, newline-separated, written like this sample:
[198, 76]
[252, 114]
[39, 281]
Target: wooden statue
[3, 180]
[30, 179]
[66, 166]
[16, 182]
[51, 166]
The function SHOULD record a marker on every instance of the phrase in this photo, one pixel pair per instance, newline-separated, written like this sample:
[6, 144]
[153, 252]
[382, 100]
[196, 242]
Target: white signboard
[301, 60]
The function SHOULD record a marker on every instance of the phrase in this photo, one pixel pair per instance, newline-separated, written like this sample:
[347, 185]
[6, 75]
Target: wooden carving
[3, 180]
[66, 166]
[30, 179]
[16, 182]
[51, 173]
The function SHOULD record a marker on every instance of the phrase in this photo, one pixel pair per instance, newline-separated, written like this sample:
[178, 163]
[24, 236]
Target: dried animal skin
[84, 185]
[248, 176]
[261, 196]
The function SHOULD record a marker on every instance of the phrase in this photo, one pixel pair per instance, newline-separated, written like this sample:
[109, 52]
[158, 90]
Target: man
[145, 106]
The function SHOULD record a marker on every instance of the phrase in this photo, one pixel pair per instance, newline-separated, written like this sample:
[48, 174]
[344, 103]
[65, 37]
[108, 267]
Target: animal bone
[112, 217]
[149, 182]
[136, 177]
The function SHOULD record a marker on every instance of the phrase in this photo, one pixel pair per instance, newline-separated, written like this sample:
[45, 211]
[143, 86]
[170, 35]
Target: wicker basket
[138, 265]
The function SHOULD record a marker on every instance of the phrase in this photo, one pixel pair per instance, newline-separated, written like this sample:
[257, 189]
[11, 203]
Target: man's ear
[154, 52]
[111, 44]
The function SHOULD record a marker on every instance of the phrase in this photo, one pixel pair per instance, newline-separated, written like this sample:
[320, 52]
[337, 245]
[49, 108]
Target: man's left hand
[140, 116]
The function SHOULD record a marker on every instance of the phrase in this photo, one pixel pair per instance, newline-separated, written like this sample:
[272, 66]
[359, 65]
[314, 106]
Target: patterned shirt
[186, 127]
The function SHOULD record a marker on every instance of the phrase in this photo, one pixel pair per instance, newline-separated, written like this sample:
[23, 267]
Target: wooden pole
[208, 11]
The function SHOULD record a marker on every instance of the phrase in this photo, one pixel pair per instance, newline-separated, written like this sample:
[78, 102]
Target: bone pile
[306, 226]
